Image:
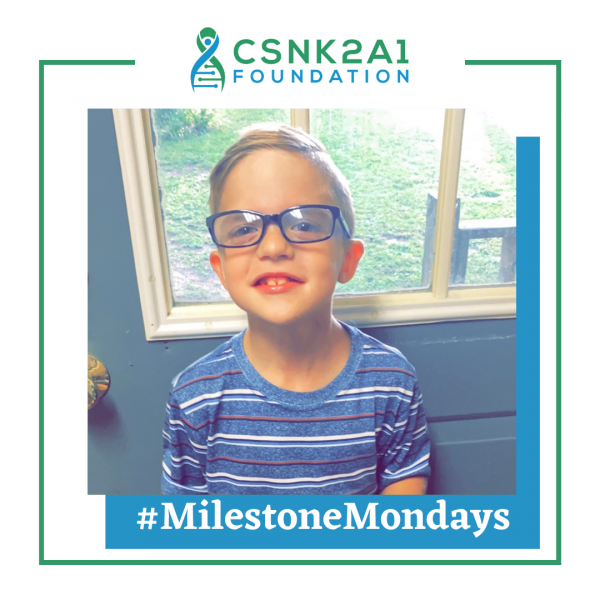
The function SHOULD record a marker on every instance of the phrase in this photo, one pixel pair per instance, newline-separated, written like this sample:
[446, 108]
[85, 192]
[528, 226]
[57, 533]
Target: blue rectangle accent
[123, 530]
[123, 512]
[528, 329]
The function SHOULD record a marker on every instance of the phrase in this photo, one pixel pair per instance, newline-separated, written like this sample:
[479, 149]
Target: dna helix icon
[207, 42]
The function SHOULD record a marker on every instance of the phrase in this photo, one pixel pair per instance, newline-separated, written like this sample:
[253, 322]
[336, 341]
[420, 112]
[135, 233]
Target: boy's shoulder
[381, 358]
[210, 367]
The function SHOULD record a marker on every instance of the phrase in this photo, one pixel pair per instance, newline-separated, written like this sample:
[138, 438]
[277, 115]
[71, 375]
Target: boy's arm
[411, 486]
[404, 446]
[183, 464]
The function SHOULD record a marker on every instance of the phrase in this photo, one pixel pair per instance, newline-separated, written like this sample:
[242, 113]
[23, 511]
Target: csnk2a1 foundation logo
[318, 56]
[207, 42]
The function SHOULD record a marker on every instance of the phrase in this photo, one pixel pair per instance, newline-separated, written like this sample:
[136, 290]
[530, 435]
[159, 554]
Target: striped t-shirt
[230, 431]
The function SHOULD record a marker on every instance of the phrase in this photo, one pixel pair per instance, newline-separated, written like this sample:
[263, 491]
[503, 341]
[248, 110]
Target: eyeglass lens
[300, 225]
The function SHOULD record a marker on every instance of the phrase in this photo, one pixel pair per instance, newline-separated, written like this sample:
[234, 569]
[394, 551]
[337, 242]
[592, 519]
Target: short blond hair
[276, 136]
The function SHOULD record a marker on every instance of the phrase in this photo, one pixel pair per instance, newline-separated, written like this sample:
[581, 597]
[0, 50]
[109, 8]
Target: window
[187, 144]
[422, 263]
[484, 249]
[391, 159]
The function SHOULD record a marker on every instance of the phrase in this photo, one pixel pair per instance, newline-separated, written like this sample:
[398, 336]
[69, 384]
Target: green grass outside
[390, 168]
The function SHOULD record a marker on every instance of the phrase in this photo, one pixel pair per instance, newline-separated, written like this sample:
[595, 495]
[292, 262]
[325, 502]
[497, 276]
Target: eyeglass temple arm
[344, 225]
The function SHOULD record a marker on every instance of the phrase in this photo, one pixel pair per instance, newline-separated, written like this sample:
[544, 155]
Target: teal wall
[467, 370]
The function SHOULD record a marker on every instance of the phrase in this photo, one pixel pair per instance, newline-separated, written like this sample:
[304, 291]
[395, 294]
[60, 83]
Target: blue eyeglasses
[304, 224]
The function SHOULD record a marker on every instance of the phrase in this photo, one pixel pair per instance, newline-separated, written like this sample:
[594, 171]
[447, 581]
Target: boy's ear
[354, 253]
[215, 263]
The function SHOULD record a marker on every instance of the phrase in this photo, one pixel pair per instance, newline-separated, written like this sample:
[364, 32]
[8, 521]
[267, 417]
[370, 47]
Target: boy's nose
[274, 244]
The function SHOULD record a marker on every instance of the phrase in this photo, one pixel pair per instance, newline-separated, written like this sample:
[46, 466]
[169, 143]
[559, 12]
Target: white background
[161, 39]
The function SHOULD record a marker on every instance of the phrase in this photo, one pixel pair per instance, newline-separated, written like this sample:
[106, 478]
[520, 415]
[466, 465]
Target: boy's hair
[275, 136]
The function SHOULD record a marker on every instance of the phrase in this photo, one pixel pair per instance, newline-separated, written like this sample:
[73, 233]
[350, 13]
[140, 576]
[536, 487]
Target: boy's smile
[279, 281]
[276, 283]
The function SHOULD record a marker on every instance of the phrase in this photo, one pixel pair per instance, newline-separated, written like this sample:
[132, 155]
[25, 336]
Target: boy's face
[269, 181]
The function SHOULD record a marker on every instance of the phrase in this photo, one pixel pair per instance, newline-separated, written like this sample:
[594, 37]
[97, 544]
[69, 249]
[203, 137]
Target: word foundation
[317, 76]
[288, 519]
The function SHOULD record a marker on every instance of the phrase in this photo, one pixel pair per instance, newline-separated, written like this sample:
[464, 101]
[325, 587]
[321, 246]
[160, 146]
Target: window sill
[384, 310]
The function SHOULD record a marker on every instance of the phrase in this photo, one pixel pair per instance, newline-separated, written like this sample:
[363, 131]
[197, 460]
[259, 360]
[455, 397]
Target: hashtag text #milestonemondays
[210, 516]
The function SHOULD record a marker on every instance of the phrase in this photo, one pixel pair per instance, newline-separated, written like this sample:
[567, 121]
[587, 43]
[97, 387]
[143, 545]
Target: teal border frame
[556, 561]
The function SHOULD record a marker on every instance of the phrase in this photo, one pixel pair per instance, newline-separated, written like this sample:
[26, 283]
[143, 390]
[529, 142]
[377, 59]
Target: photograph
[302, 301]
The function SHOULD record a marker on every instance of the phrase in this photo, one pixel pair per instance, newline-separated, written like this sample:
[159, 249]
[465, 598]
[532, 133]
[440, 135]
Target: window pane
[188, 143]
[484, 249]
[391, 159]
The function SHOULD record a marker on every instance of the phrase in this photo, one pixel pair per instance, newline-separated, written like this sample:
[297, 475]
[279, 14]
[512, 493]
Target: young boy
[297, 403]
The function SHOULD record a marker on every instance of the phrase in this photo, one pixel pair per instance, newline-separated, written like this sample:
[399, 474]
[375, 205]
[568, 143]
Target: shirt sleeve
[403, 442]
[184, 459]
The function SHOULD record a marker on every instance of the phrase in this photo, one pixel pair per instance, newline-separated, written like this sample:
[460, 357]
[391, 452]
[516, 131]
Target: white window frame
[164, 321]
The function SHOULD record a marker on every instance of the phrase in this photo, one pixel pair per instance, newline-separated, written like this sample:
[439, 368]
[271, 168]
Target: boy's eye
[306, 227]
[245, 230]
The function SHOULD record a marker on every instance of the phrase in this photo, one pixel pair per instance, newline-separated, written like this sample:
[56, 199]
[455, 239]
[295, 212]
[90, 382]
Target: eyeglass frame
[276, 218]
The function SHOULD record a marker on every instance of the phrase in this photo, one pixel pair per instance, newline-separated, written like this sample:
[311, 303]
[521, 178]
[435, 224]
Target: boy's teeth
[278, 281]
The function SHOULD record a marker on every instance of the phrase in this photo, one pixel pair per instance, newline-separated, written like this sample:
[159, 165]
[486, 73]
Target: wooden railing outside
[464, 232]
